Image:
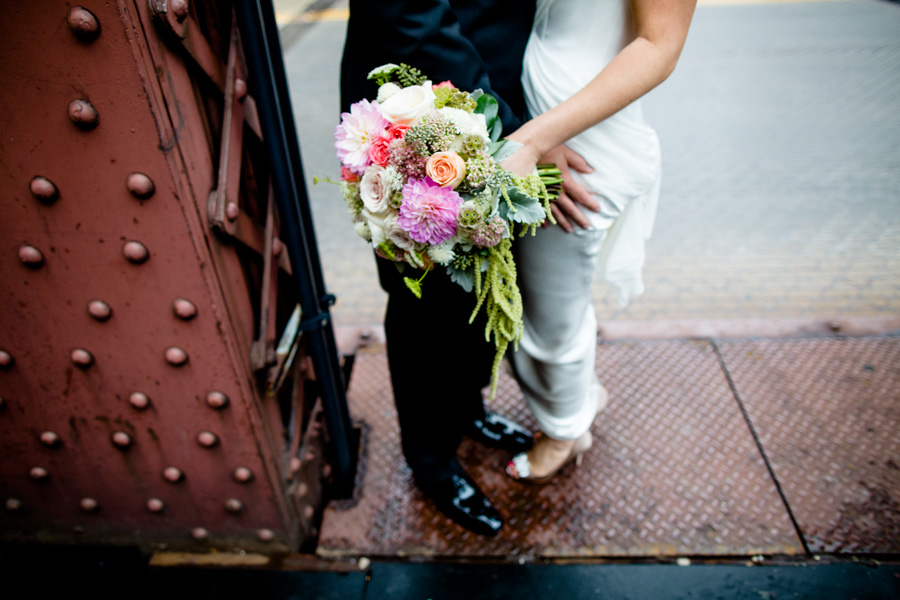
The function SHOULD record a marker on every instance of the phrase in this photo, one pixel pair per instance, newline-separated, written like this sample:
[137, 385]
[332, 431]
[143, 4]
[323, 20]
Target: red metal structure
[144, 396]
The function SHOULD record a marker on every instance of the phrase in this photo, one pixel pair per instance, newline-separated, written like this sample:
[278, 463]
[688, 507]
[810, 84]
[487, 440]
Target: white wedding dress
[571, 42]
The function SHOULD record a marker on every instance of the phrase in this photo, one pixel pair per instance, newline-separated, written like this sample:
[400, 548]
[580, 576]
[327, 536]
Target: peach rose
[447, 169]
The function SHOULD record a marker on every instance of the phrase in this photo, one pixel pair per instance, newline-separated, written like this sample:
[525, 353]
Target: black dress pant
[439, 364]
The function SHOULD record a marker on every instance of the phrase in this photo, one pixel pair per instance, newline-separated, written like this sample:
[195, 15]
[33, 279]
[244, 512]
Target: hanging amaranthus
[498, 292]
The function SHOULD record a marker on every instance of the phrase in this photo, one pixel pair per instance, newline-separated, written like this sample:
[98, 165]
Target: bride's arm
[661, 27]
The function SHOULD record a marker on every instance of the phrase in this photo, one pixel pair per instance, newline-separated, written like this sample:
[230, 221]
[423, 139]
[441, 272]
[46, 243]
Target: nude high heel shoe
[519, 468]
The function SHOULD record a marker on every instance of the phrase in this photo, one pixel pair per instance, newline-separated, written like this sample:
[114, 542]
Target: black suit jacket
[438, 361]
[476, 44]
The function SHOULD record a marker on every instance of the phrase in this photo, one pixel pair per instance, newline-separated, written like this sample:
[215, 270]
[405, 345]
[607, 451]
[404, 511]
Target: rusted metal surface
[674, 470]
[130, 413]
[827, 411]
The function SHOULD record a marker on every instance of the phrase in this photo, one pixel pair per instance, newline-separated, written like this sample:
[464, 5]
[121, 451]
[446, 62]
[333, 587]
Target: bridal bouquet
[420, 173]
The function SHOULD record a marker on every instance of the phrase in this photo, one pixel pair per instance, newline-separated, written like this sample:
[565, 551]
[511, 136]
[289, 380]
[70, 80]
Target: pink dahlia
[358, 129]
[428, 212]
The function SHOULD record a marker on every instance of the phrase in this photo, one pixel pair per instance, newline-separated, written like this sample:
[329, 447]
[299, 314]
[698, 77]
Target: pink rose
[379, 150]
[445, 84]
[396, 132]
[447, 169]
[348, 175]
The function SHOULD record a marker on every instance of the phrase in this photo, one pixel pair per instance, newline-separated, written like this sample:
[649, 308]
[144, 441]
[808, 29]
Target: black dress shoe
[460, 499]
[499, 432]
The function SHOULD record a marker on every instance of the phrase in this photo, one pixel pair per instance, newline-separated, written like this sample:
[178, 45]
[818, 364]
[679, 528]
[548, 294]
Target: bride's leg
[555, 361]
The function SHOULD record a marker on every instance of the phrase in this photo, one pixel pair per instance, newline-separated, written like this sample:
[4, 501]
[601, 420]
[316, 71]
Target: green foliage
[414, 286]
[388, 250]
[498, 292]
[520, 207]
[488, 106]
[407, 76]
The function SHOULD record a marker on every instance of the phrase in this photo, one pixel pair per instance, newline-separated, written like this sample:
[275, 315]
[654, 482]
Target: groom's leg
[439, 364]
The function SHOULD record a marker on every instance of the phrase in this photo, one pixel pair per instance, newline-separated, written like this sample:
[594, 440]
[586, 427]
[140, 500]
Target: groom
[438, 361]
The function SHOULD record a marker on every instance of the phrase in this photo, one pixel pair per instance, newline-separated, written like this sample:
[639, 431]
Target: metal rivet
[6, 360]
[38, 473]
[135, 252]
[308, 512]
[296, 463]
[242, 475]
[240, 89]
[232, 211]
[83, 24]
[13, 504]
[99, 309]
[83, 114]
[89, 504]
[326, 470]
[234, 506]
[43, 189]
[31, 256]
[309, 456]
[176, 356]
[180, 9]
[207, 439]
[82, 358]
[155, 505]
[139, 400]
[199, 533]
[50, 439]
[302, 490]
[265, 535]
[217, 399]
[277, 247]
[122, 440]
[173, 474]
[140, 185]
[184, 309]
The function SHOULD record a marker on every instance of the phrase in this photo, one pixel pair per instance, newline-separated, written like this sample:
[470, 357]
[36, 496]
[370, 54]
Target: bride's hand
[522, 162]
[566, 207]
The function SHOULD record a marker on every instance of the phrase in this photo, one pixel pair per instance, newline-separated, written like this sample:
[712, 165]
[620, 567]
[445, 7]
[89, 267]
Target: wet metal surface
[827, 411]
[674, 471]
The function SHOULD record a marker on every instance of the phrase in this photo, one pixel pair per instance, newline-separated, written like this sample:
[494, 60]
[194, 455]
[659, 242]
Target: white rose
[408, 104]
[397, 234]
[374, 190]
[387, 90]
[376, 227]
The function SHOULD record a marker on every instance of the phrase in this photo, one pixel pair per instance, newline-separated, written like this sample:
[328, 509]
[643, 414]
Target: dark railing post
[268, 84]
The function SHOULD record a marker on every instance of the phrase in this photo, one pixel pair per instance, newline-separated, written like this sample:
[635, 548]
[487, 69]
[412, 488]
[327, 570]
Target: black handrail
[268, 85]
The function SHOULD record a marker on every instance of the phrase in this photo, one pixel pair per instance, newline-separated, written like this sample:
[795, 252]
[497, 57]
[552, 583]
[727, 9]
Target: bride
[587, 64]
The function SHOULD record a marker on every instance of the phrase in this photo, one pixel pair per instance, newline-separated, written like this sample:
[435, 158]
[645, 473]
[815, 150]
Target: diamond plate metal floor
[679, 466]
